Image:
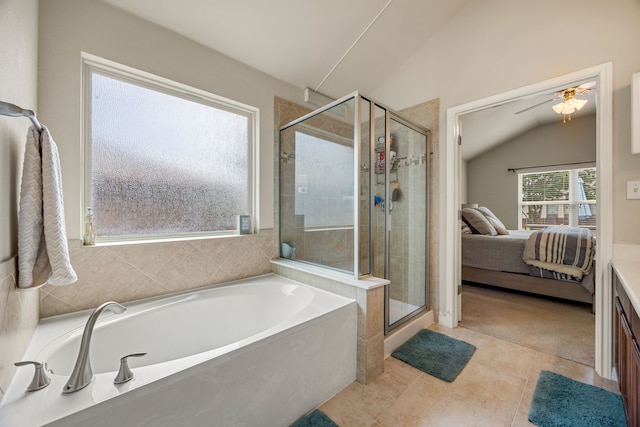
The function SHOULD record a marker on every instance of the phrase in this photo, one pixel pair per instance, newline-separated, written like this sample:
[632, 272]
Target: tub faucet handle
[124, 373]
[40, 379]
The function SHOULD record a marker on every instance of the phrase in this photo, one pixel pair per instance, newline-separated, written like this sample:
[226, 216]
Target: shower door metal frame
[392, 115]
[389, 115]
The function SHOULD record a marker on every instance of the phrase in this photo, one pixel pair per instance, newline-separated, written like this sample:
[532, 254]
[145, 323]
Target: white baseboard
[400, 336]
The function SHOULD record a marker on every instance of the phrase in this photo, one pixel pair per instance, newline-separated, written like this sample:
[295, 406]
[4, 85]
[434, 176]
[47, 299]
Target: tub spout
[82, 373]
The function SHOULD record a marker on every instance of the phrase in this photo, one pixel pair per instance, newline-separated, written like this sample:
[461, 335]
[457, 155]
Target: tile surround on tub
[18, 320]
[129, 272]
[369, 295]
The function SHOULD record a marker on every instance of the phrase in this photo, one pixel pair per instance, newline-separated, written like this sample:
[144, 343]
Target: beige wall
[124, 273]
[490, 47]
[493, 46]
[490, 184]
[69, 27]
[18, 85]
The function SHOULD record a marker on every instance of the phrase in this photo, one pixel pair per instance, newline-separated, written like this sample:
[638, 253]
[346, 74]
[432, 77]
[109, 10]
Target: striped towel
[43, 254]
[561, 249]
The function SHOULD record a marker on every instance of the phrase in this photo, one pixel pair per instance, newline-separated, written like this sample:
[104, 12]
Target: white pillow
[493, 219]
[478, 223]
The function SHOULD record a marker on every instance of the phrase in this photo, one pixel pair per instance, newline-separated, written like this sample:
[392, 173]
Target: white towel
[43, 254]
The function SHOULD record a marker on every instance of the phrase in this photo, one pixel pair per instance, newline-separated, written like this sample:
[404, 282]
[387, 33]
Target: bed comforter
[560, 252]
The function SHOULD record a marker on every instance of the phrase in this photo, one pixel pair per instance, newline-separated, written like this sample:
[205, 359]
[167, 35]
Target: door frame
[449, 310]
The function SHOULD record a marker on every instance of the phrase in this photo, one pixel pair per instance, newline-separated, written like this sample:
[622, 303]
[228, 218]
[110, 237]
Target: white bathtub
[257, 352]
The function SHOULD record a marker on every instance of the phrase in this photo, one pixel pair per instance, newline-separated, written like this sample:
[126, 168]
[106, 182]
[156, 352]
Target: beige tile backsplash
[128, 272]
[18, 321]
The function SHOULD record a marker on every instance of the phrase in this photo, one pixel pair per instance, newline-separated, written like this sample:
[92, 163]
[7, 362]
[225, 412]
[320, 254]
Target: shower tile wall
[333, 248]
[284, 112]
[426, 114]
[128, 272]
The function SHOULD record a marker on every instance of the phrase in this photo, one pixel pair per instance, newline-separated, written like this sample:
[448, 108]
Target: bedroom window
[164, 160]
[563, 197]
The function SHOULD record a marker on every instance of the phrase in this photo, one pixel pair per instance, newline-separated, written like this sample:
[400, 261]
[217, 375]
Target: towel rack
[11, 110]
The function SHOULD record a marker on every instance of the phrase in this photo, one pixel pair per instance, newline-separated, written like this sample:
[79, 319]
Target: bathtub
[257, 352]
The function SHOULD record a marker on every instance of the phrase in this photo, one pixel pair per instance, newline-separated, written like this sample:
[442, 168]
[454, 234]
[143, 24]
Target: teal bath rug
[561, 401]
[315, 419]
[436, 354]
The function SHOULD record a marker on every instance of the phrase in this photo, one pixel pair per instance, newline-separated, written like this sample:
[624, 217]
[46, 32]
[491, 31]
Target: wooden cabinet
[627, 354]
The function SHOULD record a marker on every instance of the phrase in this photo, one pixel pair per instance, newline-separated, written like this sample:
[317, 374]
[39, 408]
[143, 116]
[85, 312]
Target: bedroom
[527, 164]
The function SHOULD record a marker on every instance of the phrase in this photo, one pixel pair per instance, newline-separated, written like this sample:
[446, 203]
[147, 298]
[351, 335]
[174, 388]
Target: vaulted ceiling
[334, 47]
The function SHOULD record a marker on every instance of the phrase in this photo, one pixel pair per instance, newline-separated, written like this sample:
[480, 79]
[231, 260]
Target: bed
[496, 259]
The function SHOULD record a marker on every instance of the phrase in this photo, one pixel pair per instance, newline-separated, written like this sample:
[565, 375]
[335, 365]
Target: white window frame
[92, 63]
[573, 191]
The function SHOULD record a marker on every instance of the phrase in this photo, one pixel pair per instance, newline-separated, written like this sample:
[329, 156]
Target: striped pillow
[478, 223]
[493, 219]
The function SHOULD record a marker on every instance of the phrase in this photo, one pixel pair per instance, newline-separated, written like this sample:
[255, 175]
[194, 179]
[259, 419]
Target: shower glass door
[353, 198]
[406, 218]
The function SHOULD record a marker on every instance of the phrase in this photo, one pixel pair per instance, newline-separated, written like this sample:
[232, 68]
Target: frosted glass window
[164, 164]
[324, 182]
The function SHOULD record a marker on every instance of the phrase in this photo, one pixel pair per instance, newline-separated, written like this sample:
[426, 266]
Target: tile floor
[494, 389]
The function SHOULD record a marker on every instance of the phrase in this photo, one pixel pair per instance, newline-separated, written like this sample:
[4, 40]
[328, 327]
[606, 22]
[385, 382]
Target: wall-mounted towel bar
[11, 110]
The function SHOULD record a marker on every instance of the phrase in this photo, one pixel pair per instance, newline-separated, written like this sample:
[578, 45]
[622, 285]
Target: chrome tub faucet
[82, 373]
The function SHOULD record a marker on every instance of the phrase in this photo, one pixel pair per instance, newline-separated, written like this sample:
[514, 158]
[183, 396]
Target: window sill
[79, 243]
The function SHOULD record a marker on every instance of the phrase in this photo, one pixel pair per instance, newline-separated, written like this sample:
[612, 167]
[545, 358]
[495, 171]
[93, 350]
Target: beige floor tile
[461, 413]
[348, 409]
[491, 388]
[494, 389]
[495, 352]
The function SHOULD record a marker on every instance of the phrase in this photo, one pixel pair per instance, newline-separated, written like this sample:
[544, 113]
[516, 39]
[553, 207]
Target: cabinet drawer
[627, 307]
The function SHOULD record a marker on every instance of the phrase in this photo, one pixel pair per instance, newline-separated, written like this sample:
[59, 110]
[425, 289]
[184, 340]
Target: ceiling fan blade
[534, 106]
[587, 86]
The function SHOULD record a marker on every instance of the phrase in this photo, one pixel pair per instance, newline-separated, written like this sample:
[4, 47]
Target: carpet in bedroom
[558, 328]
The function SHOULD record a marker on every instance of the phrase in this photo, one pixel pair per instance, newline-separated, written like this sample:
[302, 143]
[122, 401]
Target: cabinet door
[633, 388]
[622, 340]
[624, 349]
[617, 331]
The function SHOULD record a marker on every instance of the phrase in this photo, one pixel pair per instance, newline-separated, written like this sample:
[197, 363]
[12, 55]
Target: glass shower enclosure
[353, 198]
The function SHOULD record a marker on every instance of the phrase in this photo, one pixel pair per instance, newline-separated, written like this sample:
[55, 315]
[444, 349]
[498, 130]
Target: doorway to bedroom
[535, 150]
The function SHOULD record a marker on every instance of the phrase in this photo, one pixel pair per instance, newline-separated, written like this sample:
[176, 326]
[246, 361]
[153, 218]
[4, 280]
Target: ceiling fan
[568, 102]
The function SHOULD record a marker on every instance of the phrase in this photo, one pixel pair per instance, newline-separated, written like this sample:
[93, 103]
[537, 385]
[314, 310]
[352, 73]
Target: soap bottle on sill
[89, 232]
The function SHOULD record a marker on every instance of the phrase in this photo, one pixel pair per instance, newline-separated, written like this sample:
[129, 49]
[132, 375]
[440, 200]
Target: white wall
[69, 27]
[493, 46]
[18, 85]
[464, 180]
[490, 183]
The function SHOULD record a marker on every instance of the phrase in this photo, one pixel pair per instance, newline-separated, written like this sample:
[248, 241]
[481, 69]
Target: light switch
[633, 189]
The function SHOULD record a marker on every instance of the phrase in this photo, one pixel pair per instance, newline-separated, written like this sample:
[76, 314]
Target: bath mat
[436, 354]
[561, 401]
[315, 419]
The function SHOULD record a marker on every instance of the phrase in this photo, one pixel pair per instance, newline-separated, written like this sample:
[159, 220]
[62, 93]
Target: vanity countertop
[626, 264]
[629, 274]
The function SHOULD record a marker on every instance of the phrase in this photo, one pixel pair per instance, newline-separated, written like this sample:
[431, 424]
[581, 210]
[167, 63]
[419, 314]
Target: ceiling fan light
[568, 107]
[581, 103]
[558, 107]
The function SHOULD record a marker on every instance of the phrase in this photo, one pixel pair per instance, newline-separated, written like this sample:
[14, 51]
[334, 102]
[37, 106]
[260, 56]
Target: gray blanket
[560, 252]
